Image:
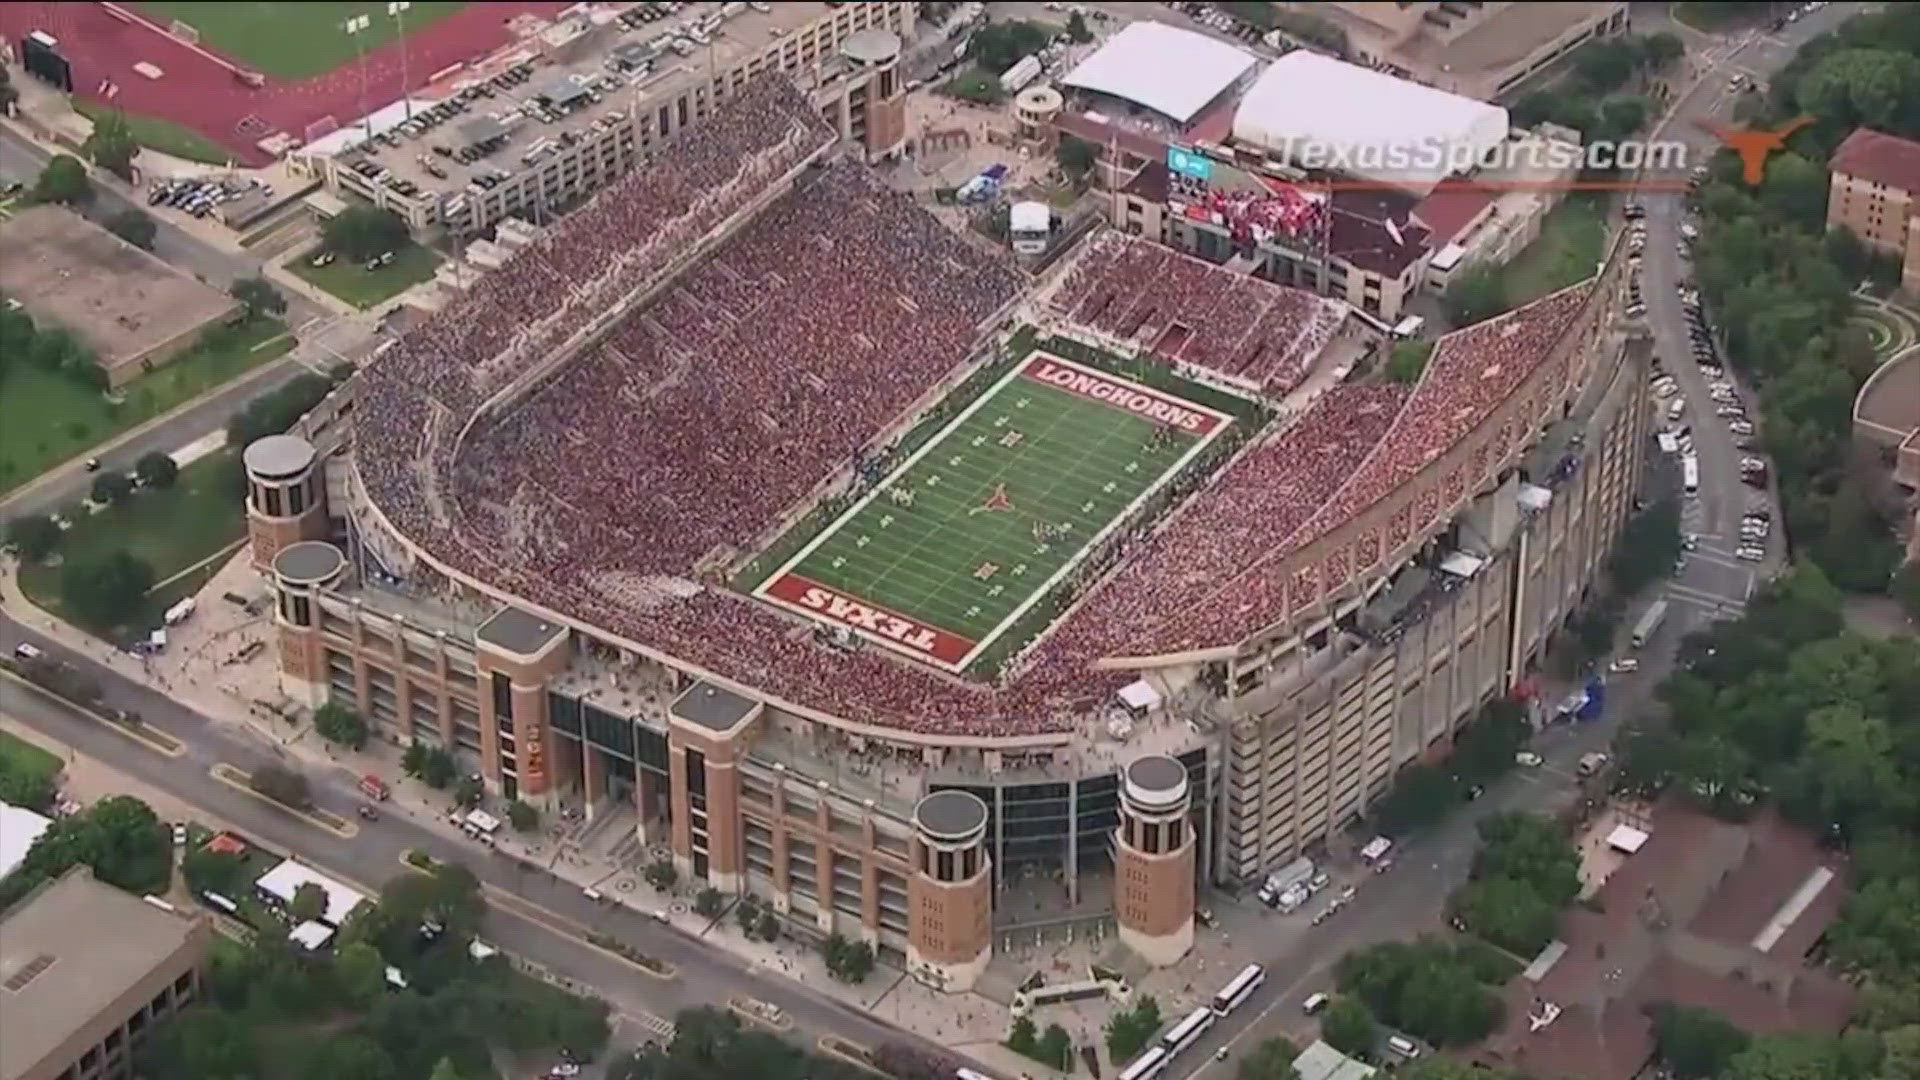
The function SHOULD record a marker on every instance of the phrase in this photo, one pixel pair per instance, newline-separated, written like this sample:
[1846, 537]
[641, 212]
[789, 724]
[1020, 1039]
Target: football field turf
[948, 551]
[295, 41]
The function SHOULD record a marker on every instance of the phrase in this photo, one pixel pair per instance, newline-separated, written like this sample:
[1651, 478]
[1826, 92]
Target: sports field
[293, 40]
[946, 553]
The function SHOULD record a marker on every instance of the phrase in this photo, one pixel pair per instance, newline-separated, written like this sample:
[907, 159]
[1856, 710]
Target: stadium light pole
[355, 27]
[397, 9]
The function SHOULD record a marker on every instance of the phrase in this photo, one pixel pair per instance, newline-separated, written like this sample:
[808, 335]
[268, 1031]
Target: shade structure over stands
[1323, 113]
[474, 132]
[1172, 71]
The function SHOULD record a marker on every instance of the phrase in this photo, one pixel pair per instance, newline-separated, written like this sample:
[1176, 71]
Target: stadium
[794, 537]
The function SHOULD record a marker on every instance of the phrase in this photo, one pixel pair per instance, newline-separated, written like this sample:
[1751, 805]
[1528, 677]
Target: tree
[444, 1070]
[708, 902]
[1055, 1047]
[259, 297]
[309, 903]
[768, 929]
[340, 725]
[360, 233]
[998, 46]
[1077, 28]
[203, 1043]
[1531, 849]
[1270, 1059]
[522, 816]
[112, 488]
[1792, 1056]
[1349, 1028]
[282, 785]
[1476, 295]
[156, 470]
[63, 180]
[1906, 590]
[107, 589]
[1129, 1032]
[1662, 49]
[847, 961]
[25, 786]
[1076, 156]
[360, 972]
[1421, 795]
[1902, 1047]
[1604, 65]
[437, 768]
[1694, 1043]
[135, 227]
[468, 791]
[33, 536]
[1508, 913]
[414, 759]
[111, 145]
[119, 837]
[352, 1055]
[209, 871]
[1022, 1038]
[660, 874]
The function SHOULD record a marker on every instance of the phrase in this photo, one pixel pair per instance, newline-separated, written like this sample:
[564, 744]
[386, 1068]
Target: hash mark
[1022, 403]
[996, 590]
[886, 520]
[1087, 507]
[1020, 569]
[863, 541]
[1133, 466]
[978, 440]
[1001, 422]
[933, 479]
[839, 561]
[954, 460]
[973, 611]
[1110, 487]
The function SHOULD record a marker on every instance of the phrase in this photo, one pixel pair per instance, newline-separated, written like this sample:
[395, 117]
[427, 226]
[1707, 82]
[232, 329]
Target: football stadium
[786, 533]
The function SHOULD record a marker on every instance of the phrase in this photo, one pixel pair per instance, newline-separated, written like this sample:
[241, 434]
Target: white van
[1403, 1046]
[1676, 408]
[1314, 1004]
[27, 651]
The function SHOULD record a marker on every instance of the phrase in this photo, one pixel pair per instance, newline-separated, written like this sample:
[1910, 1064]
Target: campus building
[569, 109]
[1874, 191]
[1445, 533]
[1481, 50]
[86, 971]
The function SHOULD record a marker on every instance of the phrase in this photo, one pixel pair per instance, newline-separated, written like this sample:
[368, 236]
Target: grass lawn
[970, 532]
[364, 288]
[294, 41]
[165, 136]
[976, 85]
[23, 756]
[46, 418]
[1568, 248]
[172, 529]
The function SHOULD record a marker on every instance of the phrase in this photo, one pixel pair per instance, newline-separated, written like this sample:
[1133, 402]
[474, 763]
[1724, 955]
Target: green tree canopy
[258, 296]
[135, 226]
[111, 145]
[63, 180]
[1349, 1027]
[156, 469]
[33, 536]
[106, 590]
[1694, 1043]
[340, 725]
[360, 232]
[998, 46]
[1270, 1059]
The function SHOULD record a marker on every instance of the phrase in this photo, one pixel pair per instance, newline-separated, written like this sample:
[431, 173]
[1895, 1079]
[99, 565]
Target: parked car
[1527, 758]
[1624, 666]
[1750, 553]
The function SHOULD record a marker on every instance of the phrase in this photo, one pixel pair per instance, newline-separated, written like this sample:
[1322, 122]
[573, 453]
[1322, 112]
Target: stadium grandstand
[750, 488]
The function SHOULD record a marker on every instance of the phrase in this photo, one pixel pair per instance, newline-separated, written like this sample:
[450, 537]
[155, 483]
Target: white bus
[1188, 1031]
[1239, 990]
[1147, 1065]
[1690, 474]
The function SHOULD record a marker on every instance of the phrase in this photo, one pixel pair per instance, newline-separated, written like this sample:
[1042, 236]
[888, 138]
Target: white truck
[1289, 877]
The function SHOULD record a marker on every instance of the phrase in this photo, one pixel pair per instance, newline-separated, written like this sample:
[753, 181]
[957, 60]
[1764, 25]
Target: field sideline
[295, 41]
[955, 545]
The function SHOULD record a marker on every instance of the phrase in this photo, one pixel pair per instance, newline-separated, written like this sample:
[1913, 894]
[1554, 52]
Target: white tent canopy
[1626, 838]
[1322, 113]
[1172, 71]
[284, 880]
[1140, 696]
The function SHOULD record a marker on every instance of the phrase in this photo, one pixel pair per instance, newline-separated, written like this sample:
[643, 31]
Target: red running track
[197, 92]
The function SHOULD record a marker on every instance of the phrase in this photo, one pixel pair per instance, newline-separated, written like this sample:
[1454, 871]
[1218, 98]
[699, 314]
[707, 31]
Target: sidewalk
[201, 669]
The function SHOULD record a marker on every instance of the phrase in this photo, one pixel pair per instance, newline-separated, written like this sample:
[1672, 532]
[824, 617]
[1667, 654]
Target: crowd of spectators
[1471, 373]
[1190, 311]
[759, 365]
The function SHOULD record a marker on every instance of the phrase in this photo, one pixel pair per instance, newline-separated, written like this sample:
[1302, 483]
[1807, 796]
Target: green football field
[951, 548]
[296, 41]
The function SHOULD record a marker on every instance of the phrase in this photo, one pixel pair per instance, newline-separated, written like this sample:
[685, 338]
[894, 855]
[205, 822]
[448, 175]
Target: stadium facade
[486, 542]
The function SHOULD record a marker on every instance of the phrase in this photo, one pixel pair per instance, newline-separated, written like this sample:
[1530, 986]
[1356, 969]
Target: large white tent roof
[1365, 123]
[1172, 71]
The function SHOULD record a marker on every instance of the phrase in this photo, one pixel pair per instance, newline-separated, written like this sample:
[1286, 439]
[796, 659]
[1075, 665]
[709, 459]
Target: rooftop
[284, 880]
[68, 952]
[1172, 71]
[713, 707]
[518, 632]
[1365, 123]
[1879, 158]
[19, 828]
[1504, 38]
[308, 561]
[606, 72]
[278, 455]
[122, 301]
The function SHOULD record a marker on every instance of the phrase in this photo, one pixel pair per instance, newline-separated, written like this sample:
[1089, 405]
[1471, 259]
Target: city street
[541, 919]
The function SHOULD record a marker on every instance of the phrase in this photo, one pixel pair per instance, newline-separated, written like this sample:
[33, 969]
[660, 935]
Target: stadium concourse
[741, 384]
[198, 89]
